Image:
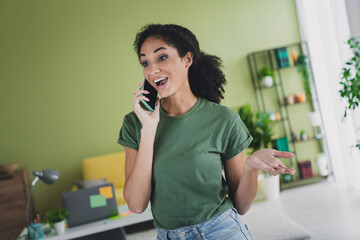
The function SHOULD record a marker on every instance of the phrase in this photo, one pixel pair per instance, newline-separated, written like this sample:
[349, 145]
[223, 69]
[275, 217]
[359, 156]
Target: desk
[104, 225]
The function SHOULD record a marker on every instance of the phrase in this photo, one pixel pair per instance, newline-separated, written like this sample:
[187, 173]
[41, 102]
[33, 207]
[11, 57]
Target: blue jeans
[227, 225]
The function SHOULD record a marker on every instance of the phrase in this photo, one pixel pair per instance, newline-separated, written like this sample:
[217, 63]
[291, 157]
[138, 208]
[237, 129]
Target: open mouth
[161, 81]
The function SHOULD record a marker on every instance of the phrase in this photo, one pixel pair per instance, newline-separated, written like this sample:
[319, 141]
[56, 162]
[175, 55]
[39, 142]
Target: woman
[175, 155]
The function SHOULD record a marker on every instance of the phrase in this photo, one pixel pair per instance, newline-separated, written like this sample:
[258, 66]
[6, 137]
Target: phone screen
[152, 96]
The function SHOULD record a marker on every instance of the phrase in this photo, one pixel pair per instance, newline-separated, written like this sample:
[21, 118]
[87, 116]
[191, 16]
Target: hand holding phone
[152, 96]
[149, 119]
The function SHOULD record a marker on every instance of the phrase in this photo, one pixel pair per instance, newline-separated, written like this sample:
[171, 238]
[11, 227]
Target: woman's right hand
[149, 120]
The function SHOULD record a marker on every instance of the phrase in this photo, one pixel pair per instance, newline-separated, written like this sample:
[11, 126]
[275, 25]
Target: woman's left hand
[267, 160]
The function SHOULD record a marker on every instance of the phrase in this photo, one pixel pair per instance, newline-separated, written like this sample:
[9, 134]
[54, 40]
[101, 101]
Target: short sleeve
[129, 135]
[237, 140]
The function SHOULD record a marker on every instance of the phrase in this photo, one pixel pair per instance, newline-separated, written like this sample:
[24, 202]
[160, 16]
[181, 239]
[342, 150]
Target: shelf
[281, 120]
[301, 182]
[292, 115]
[273, 86]
[272, 49]
[280, 68]
[295, 104]
[309, 140]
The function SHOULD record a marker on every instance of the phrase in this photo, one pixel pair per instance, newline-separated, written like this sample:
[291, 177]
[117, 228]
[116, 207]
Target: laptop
[90, 204]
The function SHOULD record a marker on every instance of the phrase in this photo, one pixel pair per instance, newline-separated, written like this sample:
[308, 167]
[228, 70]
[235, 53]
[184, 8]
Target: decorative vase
[59, 227]
[270, 187]
[321, 163]
[267, 81]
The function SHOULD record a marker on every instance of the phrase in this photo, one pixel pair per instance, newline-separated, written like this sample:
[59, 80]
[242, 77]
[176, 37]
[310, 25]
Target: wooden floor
[328, 211]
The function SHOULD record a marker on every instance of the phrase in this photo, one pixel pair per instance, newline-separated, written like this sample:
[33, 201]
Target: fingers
[260, 164]
[283, 166]
[284, 154]
[139, 89]
[264, 167]
[140, 86]
[139, 93]
[267, 161]
[141, 97]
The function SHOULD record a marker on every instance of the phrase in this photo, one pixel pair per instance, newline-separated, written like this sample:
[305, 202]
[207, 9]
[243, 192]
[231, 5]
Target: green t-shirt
[187, 182]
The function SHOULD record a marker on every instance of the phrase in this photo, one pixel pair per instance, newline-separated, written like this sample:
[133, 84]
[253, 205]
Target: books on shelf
[282, 57]
[305, 169]
[282, 144]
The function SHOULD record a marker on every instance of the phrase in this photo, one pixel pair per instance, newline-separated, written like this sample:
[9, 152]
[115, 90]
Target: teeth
[160, 79]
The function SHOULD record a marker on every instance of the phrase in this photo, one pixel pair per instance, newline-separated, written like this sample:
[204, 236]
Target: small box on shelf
[295, 99]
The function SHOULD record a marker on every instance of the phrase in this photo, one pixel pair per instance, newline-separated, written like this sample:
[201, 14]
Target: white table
[103, 225]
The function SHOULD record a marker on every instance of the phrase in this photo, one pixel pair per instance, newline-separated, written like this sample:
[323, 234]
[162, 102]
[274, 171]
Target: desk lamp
[48, 177]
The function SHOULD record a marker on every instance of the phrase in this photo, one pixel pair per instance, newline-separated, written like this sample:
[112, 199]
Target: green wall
[68, 71]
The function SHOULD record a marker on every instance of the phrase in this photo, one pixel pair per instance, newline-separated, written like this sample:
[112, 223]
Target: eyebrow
[155, 51]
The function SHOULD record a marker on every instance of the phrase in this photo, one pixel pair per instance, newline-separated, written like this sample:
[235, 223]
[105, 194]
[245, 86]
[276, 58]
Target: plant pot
[270, 187]
[59, 227]
[287, 178]
[267, 81]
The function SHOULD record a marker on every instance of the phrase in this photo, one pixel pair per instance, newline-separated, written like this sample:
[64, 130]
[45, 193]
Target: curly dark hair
[206, 78]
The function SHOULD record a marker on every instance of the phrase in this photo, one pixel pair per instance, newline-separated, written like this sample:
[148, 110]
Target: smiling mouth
[161, 81]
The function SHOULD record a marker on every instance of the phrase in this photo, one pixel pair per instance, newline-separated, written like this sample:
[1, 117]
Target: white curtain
[324, 25]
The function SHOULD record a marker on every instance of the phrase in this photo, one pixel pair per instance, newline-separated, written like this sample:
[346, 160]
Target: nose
[152, 69]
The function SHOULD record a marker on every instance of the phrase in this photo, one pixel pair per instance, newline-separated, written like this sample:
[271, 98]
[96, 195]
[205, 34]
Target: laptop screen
[90, 204]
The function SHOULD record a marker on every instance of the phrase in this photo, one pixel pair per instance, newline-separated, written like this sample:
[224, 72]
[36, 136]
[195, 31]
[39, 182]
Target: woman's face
[163, 67]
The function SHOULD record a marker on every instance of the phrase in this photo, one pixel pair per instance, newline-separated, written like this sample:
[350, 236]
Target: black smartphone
[152, 96]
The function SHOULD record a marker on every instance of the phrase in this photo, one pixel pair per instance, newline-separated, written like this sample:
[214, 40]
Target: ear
[188, 58]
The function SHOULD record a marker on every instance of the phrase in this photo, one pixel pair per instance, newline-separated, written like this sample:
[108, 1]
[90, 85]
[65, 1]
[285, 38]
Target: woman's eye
[144, 64]
[162, 58]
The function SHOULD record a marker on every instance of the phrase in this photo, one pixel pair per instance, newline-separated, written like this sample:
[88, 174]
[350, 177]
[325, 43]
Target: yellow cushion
[111, 167]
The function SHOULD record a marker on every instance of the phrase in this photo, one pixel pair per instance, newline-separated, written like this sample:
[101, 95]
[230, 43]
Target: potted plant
[248, 119]
[264, 124]
[261, 129]
[259, 126]
[302, 68]
[266, 75]
[350, 78]
[57, 218]
[303, 135]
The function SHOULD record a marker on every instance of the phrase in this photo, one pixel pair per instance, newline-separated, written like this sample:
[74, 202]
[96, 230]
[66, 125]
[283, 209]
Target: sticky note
[107, 191]
[126, 213]
[97, 201]
[115, 217]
